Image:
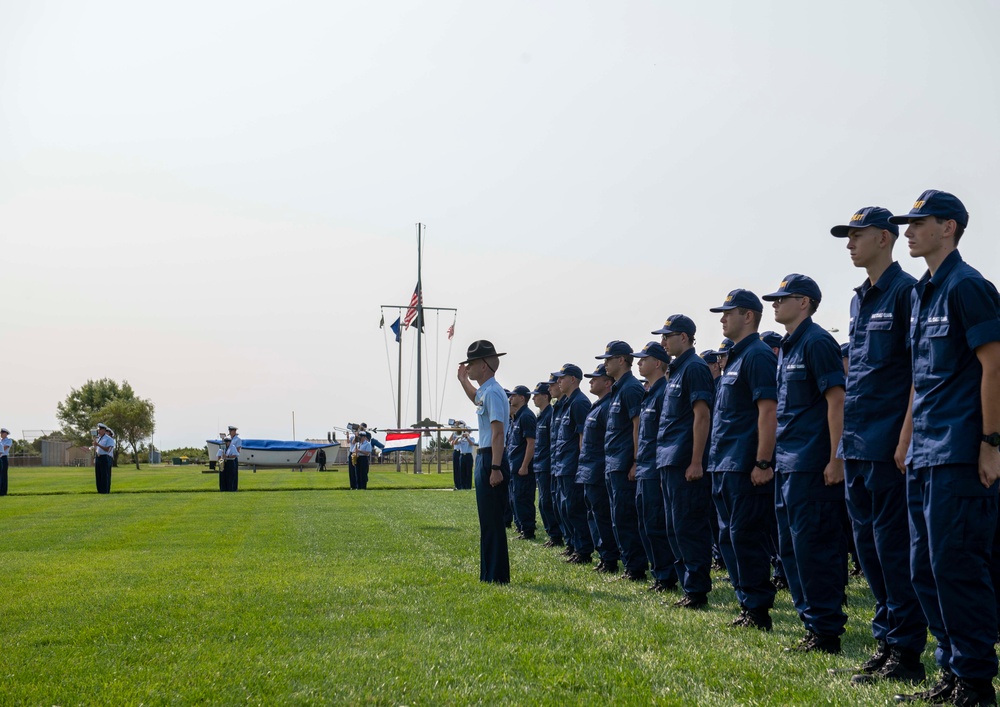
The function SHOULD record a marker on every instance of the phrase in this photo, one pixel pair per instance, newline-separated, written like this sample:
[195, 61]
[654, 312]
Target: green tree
[132, 419]
[78, 412]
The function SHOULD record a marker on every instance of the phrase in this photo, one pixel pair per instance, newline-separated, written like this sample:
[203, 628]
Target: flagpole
[399, 385]
[420, 328]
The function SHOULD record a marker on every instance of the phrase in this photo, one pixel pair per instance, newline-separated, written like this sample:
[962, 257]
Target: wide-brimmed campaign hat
[481, 349]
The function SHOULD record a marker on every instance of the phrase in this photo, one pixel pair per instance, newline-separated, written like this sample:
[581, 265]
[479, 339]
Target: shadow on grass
[131, 492]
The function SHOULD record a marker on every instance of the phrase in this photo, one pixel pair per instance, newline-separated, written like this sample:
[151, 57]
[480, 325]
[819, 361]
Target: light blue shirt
[5, 445]
[464, 445]
[491, 406]
[107, 441]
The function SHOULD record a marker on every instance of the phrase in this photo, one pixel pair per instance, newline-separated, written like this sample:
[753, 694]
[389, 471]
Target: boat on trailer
[275, 453]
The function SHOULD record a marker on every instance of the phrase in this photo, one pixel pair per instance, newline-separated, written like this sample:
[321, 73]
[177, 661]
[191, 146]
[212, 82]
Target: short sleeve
[761, 375]
[977, 305]
[824, 362]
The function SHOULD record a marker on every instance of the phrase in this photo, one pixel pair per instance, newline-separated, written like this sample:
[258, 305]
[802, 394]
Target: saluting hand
[989, 464]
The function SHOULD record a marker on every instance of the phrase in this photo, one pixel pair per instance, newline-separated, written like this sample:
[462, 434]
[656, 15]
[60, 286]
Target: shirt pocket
[939, 346]
[799, 390]
[880, 335]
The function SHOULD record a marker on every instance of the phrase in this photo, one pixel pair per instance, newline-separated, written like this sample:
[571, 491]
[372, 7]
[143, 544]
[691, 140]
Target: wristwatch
[763, 464]
[495, 467]
[992, 439]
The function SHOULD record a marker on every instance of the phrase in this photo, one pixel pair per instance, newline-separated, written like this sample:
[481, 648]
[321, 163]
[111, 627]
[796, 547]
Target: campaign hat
[868, 216]
[936, 203]
[796, 284]
[481, 349]
[740, 298]
[677, 324]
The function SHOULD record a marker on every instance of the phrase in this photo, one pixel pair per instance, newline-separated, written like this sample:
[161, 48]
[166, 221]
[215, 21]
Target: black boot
[902, 665]
[937, 694]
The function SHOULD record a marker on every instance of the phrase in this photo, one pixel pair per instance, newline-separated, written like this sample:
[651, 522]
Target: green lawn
[327, 596]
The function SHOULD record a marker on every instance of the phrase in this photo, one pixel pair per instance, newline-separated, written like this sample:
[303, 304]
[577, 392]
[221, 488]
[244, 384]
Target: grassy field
[319, 595]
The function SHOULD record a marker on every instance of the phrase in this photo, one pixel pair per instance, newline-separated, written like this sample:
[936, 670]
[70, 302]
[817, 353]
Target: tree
[132, 420]
[78, 412]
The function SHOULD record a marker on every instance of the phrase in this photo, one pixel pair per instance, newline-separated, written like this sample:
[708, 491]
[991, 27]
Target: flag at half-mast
[411, 312]
[451, 331]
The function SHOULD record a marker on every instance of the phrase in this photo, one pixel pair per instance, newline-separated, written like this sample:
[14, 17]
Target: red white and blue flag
[401, 441]
[411, 312]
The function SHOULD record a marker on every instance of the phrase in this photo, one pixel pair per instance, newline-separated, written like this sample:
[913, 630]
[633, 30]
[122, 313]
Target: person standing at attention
[879, 376]
[808, 495]
[104, 446]
[953, 435]
[5, 444]
[492, 471]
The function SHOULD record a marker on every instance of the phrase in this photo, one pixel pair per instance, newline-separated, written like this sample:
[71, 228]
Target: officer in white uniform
[104, 446]
[5, 445]
[220, 458]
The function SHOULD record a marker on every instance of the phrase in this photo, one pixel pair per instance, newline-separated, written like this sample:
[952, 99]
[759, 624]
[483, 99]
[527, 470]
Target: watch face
[992, 439]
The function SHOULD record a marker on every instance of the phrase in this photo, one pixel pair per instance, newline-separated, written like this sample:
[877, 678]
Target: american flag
[411, 313]
[451, 331]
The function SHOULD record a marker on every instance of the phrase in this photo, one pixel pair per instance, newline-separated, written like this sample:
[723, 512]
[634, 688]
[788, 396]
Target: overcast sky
[212, 199]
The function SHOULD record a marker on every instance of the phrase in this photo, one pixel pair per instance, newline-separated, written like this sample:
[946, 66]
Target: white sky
[212, 199]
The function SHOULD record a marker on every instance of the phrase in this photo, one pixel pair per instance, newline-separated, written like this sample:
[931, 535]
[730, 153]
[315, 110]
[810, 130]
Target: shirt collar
[742, 344]
[790, 339]
[890, 274]
[653, 389]
[681, 360]
[947, 265]
[622, 381]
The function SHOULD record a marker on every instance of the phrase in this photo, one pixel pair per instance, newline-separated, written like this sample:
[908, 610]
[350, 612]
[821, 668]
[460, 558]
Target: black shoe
[661, 585]
[569, 558]
[937, 694]
[740, 620]
[692, 601]
[606, 568]
[553, 542]
[878, 659]
[567, 552]
[526, 536]
[579, 559]
[973, 693]
[813, 642]
[759, 619]
[901, 665]
[630, 576]
[779, 583]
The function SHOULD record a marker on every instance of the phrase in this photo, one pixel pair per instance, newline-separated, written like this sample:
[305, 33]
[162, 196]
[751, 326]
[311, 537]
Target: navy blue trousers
[602, 530]
[952, 522]
[550, 521]
[230, 475]
[491, 502]
[524, 501]
[564, 527]
[4, 461]
[465, 478]
[102, 472]
[688, 510]
[352, 471]
[746, 528]
[654, 529]
[876, 504]
[456, 468]
[360, 470]
[813, 547]
[573, 509]
[625, 519]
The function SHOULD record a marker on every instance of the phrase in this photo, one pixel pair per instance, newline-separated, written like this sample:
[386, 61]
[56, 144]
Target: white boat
[278, 453]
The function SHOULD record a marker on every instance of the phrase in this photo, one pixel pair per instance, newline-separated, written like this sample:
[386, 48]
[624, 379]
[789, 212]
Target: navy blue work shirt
[953, 313]
[649, 427]
[750, 375]
[879, 372]
[572, 417]
[626, 400]
[690, 381]
[522, 428]
[591, 470]
[542, 450]
[808, 365]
